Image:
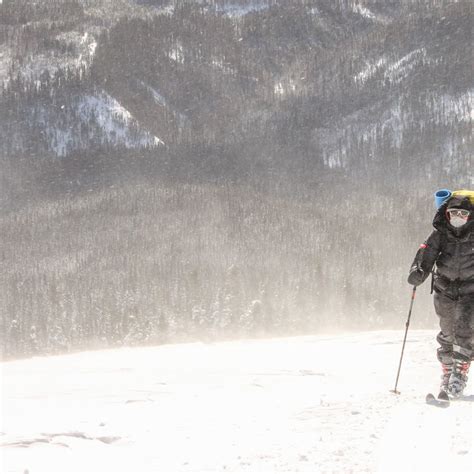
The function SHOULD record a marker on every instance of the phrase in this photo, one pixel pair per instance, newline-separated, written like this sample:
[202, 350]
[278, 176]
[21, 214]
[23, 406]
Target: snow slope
[96, 118]
[314, 404]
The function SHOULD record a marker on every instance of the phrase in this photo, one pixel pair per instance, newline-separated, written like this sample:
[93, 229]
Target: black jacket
[452, 250]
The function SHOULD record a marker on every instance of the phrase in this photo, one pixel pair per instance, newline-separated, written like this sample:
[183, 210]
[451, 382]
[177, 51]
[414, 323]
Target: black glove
[417, 276]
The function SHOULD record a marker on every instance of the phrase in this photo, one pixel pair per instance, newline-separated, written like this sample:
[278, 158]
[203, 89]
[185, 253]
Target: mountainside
[175, 170]
[343, 84]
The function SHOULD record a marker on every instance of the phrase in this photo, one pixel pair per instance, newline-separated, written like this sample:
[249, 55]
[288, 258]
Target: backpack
[443, 195]
[465, 193]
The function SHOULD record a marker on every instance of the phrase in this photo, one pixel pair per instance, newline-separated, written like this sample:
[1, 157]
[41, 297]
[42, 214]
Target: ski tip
[443, 396]
[437, 401]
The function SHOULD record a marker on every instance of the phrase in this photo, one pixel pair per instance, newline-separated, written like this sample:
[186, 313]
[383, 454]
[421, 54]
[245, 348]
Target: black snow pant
[456, 320]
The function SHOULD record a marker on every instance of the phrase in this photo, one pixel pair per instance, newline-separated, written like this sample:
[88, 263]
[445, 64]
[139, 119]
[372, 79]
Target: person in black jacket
[449, 254]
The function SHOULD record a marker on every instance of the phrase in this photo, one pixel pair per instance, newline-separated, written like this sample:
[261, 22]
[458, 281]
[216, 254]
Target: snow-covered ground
[314, 404]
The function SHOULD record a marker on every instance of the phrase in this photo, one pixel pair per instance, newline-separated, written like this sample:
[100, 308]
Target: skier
[450, 248]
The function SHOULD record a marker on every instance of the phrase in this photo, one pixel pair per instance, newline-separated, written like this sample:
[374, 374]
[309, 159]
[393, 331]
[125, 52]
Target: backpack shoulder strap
[443, 239]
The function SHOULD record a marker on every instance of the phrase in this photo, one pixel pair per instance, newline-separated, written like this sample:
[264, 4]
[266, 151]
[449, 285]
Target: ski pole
[404, 339]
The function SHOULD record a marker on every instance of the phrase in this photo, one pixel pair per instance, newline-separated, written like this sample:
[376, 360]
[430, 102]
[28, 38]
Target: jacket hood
[441, 223]
[460, 202]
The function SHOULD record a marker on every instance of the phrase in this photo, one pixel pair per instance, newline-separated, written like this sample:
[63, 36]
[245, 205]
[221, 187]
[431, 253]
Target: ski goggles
[458, 212]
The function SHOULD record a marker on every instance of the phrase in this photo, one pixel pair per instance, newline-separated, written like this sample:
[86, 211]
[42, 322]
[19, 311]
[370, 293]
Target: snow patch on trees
[284, 87]
[79, 51]
[5, 60]
[399, 70]
[370, 70]
[369, 14]
[450, 109]
[395, 125]
[176, 53]
[103, 120]
[393, 71]
[365, 12]
[238, 10]
[115, 120]
[159, 99]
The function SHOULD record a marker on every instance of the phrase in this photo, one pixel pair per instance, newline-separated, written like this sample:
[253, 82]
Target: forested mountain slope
[341, 83]
[182, 169]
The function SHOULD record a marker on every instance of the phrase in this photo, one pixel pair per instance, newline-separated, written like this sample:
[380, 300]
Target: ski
[441, 401]
[443, 396]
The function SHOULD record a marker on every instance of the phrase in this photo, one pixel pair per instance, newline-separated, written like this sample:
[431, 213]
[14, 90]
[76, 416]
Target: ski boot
[458, 378]
[447, 369]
